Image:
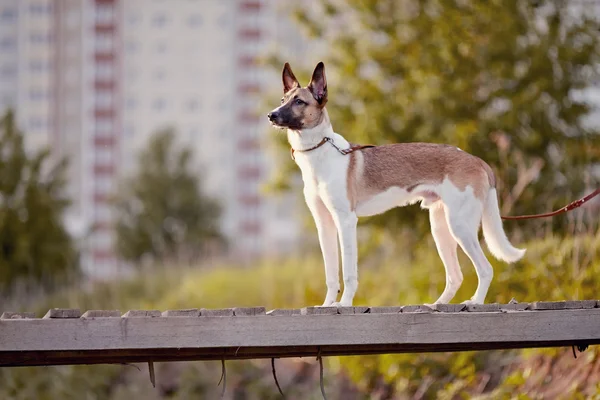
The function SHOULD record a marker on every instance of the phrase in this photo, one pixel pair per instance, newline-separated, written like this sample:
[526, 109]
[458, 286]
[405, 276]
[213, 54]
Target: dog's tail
[494, 234]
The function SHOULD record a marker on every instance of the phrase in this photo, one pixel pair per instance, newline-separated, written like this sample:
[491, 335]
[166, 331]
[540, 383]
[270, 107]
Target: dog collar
[326, 139]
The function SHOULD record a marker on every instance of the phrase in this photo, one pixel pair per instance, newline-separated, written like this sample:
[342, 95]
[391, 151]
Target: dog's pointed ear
[289, 79]
[318, 84]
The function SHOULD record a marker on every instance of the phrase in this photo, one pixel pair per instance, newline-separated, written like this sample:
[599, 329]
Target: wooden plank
[17, 315]
[510, 307]
[319, 311]
[63, 313]
[188, 312]
[216, 312]
[101, 314]
[248, 311]
[492, 307]
[449, 308]
[354, 310]
[142, 313]
[548, 305]
[419, 308]
[284, 311]
[580, 304]
[102, 340]
[385, 310]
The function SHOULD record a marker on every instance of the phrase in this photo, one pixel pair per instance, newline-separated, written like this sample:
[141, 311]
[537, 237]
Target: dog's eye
[299, 102]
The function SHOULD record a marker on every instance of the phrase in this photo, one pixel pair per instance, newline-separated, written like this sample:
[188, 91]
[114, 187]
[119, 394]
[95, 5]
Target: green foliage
[34, 245]
[496, 78]
[162, 213]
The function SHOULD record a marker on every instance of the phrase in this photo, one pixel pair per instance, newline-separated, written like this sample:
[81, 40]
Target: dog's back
[409, 165]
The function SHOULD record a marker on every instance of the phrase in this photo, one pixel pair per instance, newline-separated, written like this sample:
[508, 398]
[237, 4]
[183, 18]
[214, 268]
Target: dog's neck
[307, 138]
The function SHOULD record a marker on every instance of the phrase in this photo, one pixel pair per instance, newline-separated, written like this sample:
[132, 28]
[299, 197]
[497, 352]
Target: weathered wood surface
[96, 336]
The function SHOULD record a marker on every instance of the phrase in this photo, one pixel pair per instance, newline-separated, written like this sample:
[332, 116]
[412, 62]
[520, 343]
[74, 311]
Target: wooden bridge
[65, 336]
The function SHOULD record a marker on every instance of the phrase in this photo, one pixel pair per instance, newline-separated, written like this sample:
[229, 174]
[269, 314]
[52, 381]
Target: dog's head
[301, 107]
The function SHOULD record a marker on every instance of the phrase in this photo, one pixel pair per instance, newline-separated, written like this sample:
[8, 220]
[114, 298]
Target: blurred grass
[553, 269]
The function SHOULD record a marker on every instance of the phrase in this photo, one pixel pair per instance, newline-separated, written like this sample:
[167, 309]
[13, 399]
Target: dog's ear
[289, 80]
[318, 84]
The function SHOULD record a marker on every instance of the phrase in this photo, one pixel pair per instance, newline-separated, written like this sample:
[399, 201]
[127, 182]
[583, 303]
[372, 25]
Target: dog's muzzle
[272, 116]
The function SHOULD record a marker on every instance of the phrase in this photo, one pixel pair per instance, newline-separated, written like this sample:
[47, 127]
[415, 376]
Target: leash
[326, 139]
[351, 149]
[568, 207]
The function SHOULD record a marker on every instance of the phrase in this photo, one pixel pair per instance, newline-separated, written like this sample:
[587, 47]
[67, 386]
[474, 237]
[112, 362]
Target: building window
[6, 100]
[221, 105]
[159, 104]
[7, 71]
[223, 20]
[195, 20]
[161, 48]
[131, 47]
[8, 15]
[102, 239]
[104, 155]
[104, 71]
[104, 99]
[130, 131]
[104, 43]
[104, 126]
[131, 103]
[159, 75]
[37, 123]
[103, 184]
[159, 21]
[37, 66]
[39, 9]
[39, 38]
[38, 94]
[105, 13]
[132, 74]
[193, 105]
[102, 213]
[7, 43]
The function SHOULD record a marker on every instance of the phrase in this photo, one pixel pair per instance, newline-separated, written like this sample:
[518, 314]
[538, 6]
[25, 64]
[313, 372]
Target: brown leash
[328, 139]
[569, 207]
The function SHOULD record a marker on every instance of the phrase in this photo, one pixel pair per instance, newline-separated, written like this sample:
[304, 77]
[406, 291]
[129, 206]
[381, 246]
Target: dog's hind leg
[463, 220]
[328, 239]
[446, 246]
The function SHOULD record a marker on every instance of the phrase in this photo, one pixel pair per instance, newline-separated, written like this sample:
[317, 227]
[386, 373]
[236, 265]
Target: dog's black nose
[272, 116]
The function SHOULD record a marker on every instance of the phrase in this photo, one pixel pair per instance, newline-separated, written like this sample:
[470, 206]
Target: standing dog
[344, 182]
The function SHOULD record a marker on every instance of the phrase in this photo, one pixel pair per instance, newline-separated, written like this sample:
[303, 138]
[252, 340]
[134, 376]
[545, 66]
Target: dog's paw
[340, 304]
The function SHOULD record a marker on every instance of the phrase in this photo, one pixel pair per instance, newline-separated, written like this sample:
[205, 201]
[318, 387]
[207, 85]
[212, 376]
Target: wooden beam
[199, 334]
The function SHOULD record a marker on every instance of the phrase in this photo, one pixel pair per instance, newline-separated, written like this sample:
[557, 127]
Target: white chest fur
[323, 169]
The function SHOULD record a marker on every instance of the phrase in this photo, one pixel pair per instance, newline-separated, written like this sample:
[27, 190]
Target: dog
[343, 182]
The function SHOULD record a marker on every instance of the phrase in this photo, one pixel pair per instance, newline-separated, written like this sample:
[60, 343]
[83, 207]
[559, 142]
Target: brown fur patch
[407, 165]
[351, 180]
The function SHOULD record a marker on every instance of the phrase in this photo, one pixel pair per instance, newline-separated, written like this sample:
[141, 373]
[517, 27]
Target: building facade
[94, 79]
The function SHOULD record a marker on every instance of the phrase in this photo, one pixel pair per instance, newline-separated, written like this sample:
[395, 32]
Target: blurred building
[94, 79]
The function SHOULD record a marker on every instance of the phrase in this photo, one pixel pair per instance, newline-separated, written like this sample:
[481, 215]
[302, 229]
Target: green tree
[162, 213]
[34, 245]
[497, 78]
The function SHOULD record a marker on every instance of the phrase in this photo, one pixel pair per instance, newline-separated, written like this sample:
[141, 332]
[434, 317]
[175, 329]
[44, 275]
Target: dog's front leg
[345, 221]
[327, 232]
